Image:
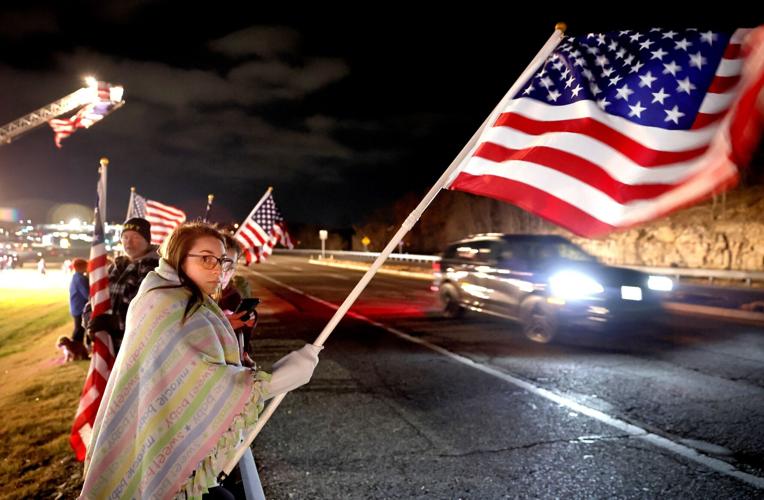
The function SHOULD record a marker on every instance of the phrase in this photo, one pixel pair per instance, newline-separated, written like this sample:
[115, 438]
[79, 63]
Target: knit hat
[140, 226]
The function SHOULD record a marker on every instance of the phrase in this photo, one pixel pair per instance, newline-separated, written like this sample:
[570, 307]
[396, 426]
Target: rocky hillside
[724, 233]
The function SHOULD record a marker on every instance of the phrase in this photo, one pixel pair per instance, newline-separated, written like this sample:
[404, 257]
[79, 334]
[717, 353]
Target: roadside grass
[38, 396]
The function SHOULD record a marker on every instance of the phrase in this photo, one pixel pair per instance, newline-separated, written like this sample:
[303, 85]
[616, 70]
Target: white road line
[633, 430]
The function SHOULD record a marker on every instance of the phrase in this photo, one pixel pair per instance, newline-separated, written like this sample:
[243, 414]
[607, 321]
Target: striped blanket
[176, 402]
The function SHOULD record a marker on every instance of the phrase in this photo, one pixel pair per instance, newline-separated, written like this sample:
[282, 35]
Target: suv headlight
[660, 283]
[574, 285]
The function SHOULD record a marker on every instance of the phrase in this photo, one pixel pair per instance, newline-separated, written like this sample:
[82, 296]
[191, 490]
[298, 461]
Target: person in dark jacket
[79, 291]
[233, 290]
[125, 276]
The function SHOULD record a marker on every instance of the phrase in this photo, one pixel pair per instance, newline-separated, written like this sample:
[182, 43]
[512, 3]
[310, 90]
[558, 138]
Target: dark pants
[218, 493]
[78, 335]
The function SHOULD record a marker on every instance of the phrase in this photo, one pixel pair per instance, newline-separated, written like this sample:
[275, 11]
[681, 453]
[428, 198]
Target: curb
[363, 267]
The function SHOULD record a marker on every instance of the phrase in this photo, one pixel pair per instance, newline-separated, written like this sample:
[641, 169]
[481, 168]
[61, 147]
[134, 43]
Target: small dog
[73, 351]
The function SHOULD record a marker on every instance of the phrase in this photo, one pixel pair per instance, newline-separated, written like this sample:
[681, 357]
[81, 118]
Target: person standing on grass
[79, 292]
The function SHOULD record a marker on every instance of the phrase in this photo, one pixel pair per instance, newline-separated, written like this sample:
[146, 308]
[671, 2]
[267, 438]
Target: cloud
[264, 41]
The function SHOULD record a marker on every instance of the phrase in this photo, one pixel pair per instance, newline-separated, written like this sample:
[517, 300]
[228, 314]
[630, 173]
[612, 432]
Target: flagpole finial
[210, 197]
[561, 26]
[270, 188]
[104, 162]
[132, 189]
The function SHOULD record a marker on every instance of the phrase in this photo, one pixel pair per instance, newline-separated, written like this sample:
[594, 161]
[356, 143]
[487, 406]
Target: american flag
[102, 358]
[86, 116]
[619, 128]
[163, 218]
[263, 229]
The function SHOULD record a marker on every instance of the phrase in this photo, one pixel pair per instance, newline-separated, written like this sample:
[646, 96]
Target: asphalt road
[419, 406]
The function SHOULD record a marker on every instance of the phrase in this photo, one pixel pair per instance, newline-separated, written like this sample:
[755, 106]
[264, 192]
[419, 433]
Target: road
[407, 404]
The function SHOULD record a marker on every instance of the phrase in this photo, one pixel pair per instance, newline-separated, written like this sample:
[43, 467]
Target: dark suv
[545, 282]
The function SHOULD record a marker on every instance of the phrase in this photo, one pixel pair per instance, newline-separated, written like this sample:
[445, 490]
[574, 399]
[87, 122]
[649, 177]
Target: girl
[178, 398]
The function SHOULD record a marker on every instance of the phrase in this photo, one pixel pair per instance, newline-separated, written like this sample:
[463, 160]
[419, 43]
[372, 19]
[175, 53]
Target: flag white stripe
[651, 137]
[617, 165]
[596, 203]
[100, 296]
[256, 231]
[716, 103]
[165, 211]
[87, 399]
[730, 67]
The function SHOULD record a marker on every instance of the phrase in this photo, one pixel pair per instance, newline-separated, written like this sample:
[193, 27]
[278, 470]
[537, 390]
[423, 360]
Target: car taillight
[436, 266]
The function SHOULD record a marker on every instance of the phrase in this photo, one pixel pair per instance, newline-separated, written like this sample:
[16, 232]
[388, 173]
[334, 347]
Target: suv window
[474, 251]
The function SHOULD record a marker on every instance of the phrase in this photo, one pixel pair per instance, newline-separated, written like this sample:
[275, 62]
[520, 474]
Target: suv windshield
[545, 250]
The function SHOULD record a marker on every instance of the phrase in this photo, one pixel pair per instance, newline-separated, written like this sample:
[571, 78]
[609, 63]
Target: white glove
[293, 370]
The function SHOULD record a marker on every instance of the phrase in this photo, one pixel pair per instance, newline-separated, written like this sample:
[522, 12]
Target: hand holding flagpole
[413, 217]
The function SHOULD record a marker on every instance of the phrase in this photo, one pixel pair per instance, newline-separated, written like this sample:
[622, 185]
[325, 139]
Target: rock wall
[725, 233]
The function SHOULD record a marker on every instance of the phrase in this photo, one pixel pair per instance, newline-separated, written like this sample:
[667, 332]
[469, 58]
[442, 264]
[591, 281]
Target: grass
[38, 396]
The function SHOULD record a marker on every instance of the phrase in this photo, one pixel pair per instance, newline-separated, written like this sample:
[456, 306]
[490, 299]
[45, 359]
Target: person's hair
[80, 265]
[175, 251]
[231, 243]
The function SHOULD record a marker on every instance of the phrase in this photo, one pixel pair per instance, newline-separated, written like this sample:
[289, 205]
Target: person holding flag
[178, 398]
[125, 276]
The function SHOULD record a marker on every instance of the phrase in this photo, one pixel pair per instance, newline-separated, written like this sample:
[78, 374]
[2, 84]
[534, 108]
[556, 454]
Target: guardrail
[748, 277]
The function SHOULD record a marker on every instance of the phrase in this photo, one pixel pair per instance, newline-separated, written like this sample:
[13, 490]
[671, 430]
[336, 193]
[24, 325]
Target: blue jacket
[79, 291]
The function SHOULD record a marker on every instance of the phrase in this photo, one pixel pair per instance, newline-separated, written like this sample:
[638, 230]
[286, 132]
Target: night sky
[341, 112]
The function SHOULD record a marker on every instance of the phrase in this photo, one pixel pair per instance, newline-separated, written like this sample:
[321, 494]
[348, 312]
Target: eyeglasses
[210, 261]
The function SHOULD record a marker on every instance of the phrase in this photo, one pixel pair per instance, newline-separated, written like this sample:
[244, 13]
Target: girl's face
[203, 263]
[226, 278]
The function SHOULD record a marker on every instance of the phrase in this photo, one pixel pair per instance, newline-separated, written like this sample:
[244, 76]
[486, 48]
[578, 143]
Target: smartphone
[248, 305]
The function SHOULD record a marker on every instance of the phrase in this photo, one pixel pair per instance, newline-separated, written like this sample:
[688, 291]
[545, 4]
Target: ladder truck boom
[81, 97]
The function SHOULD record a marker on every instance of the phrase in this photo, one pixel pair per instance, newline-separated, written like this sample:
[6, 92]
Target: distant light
[660, 283]
[75, 222]
[90, 81]
[115, 94]
[236, 226]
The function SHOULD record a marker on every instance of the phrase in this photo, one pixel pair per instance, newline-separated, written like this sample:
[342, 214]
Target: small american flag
[262, 230]
[103, 356]
[620, 128]
[163, 218]
[86, 116]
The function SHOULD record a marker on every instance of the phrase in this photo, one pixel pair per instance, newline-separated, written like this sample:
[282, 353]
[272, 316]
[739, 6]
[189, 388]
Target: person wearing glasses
[178, 398]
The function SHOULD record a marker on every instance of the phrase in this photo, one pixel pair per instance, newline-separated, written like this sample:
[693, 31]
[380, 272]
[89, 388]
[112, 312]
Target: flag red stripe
[533, 200]
[575, 167]
[721, 84]
[733, 51]
[590, 127]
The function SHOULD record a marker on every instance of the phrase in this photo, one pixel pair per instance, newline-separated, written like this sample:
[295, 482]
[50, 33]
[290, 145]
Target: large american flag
[263, 229]
[622, 127]
[86, 116]
[102, 358]
[163, 218]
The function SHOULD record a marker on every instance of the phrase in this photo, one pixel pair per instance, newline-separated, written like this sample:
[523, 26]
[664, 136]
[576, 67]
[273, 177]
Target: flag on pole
[619, 128]
[207, 211]
[102, 358]
[87, 115]
[263, 229]
[163, 218]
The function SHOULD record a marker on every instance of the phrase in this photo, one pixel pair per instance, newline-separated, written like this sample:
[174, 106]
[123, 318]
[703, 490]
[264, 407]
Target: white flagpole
[102, 198]
[267, 192]
[413, 217]
[130, 202]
